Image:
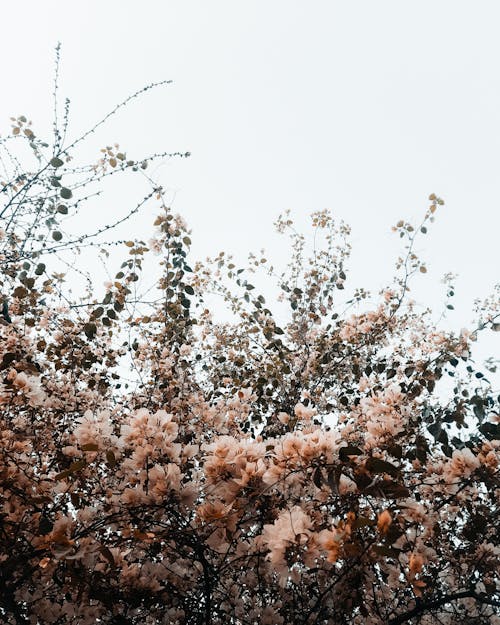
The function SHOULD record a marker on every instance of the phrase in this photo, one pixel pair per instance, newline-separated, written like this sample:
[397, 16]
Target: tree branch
[437, 603]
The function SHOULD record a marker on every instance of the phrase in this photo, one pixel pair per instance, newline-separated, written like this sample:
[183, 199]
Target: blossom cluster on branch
[157, 466]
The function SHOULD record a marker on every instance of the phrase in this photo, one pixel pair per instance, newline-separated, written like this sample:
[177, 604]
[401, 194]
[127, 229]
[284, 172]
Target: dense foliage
[335, 462]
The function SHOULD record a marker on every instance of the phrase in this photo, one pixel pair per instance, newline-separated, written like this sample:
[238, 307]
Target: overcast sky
[361, 106]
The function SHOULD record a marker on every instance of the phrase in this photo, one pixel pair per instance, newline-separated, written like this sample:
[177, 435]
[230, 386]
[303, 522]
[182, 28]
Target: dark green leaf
[97, 312]
[377, 465]
[349, 450]
[56, 162]
[490, 430]
[317, 477]
[90, 330]
[66, 193]
[45, 525]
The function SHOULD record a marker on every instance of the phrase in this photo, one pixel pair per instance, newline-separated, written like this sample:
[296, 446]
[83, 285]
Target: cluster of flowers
[318, 478]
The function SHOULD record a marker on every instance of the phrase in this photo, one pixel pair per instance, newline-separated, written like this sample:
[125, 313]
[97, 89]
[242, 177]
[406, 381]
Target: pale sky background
[360, 106]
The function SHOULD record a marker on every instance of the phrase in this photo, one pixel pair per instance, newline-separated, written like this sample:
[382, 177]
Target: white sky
[361, 106]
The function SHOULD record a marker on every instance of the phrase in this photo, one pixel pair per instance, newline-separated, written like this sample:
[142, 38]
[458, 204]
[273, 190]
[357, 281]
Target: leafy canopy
[157, 466]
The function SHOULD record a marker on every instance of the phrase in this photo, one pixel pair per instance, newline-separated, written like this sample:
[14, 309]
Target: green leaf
[107, 554]
[396, 451]
[490, 430]
[66, 193]
[389, 552]
[56, 235]
[350, 450]
[73, 468]
[110, 457]
[45, 525]
[376, 465]
[7, 360]
[393, 489]
[97, 312]
[56, 162]
[317, 477]
[20, 292]
[363, 521]
[90, 330]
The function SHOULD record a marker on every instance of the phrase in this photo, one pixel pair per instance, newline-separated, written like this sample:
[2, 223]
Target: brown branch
[422, 607]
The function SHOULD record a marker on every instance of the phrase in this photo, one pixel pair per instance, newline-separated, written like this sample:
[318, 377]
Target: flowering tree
[334, 462]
